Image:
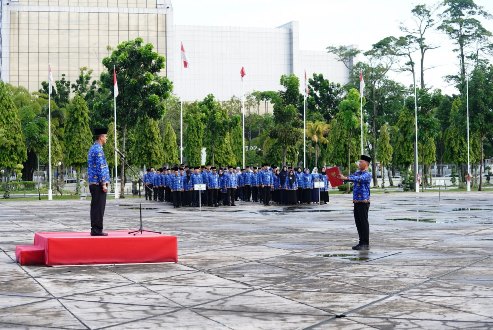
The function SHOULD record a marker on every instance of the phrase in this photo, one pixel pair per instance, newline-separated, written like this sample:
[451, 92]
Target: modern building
[70, 34]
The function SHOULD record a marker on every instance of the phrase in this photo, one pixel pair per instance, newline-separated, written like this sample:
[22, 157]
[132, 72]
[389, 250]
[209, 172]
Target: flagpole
[361, 121]
[361, 90]
[50, 191]
[117, 195]
[243, 118]
[304, 126]
[181, 130]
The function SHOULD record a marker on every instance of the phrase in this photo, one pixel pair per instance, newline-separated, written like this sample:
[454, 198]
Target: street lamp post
[416, 175]
[468, 175]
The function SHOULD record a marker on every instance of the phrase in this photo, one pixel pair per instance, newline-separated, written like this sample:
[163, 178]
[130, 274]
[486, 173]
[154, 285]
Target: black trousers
[231, 196]
[361, 220]
[247, 193]
[156, 192]
[255, 194]
[266, 194]
[299, 195]
[167, 194]
[176, 198]
[148, 188]
[212, 197]
[98, 204]
[161, 194]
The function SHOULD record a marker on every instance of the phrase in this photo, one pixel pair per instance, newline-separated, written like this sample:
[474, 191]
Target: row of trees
[148, 115]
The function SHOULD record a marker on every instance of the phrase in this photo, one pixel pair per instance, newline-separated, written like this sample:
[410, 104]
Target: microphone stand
[141, 227]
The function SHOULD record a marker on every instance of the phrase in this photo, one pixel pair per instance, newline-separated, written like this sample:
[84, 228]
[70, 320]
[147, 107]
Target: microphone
[120, 153]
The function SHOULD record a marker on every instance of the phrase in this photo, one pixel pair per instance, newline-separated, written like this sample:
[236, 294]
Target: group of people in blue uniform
[184, 186]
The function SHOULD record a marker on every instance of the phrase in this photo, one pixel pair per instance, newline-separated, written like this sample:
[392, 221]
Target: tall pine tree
[12, 147]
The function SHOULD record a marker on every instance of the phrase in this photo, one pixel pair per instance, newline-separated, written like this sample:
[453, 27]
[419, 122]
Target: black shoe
[361, 247]
[98, 234]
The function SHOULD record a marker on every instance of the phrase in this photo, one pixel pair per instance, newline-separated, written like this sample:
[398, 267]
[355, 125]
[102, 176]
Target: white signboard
[440, 183]
[200, 186]
[319, 184]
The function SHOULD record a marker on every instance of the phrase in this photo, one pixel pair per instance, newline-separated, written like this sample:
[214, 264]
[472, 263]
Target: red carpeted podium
[54, 249]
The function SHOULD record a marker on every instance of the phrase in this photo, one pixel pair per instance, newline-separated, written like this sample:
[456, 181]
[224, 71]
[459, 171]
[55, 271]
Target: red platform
[83, 249]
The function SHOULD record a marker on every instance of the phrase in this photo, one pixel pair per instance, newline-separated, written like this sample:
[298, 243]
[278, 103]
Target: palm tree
[317, 132]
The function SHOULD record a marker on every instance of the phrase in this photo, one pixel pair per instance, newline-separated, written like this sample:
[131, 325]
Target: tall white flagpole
[416, 168]
[243, 118]
[181, 130]
[304, 126]
[115, 94]
[468, 178]
[183, 65]
[361, 90]
[50, 78]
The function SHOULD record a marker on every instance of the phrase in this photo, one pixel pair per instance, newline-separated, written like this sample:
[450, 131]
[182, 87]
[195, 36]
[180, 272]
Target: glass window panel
[123, 36]
[123, 22]
[63, 21]
[33, 43]
[142, 22]
[113, 22]
[23, 43]
[133, 24]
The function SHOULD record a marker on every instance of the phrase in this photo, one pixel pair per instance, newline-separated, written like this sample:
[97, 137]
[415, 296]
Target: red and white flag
[50, 79]
[184, 57]
[361, 83]
[115, 84]
[242, 72]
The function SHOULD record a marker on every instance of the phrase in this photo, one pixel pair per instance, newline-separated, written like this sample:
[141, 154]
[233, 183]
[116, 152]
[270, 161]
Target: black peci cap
[100, 130]
[365, 158]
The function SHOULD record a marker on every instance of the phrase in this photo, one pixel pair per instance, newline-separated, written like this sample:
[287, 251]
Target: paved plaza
[254, 267]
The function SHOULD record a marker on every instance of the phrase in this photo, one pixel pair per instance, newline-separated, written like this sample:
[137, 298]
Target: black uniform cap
[365, 158]
[100, 130]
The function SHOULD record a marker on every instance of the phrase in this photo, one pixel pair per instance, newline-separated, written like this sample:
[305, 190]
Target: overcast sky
[330, 22]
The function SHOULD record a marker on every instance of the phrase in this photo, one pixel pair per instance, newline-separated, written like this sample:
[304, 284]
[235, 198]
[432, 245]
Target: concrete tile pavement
[255, 267]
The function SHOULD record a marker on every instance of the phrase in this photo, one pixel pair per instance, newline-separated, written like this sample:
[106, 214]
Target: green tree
[13, 149]
[60, 93]
[317, 133]
[403, 156]
[343, 146]
[193, 135]
[381, 57]
[149, 150]
[323, 97]
[170, 146]
[236, 139]
[460, 21]
[83, 85]
[77, 135]
[427, 154]
[455, 139]
[34, 128]
[142, 89]
[415, 38]
[225, 154]
[385, 150]
[480, 114]
[215, 126]
[286, 130]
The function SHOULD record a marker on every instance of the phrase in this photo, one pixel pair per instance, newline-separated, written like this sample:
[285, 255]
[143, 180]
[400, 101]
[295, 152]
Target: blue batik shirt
[361, 189]
[97, 167]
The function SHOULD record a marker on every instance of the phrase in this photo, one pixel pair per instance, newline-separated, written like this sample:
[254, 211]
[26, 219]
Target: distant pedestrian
[361, 201]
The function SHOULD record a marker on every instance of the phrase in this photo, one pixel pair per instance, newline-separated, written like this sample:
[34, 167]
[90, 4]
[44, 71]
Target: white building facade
[80, 33]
